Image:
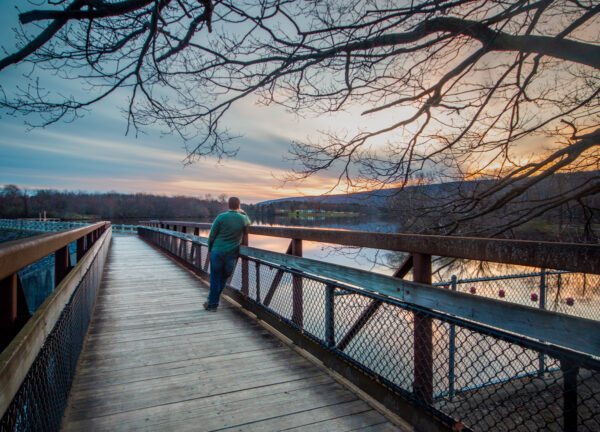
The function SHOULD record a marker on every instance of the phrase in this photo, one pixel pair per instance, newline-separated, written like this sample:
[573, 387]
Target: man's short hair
[234, 203]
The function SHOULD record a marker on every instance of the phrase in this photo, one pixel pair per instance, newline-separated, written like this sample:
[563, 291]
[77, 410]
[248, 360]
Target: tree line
[18, 203]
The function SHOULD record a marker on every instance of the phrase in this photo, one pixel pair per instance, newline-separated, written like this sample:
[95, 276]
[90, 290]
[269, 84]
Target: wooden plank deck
[155, 360]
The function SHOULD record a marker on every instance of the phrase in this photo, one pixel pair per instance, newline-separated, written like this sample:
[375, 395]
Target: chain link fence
[470, 376]
[574, 294]
[42, 397]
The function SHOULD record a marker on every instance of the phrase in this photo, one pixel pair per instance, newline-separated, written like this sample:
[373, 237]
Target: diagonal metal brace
[276, 279]
[360, 322]
[370, 310]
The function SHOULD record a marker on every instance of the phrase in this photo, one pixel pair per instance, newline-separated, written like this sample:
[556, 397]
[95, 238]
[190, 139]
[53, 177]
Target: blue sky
[94, 153]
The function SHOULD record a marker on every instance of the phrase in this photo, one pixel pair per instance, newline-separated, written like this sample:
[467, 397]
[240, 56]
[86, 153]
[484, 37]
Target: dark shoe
[206, 307]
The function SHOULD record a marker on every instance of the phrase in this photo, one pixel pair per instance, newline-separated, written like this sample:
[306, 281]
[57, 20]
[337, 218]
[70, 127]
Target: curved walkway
[155, 360]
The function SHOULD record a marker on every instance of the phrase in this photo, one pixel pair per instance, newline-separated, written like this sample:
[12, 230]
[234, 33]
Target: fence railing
[37, 365]
[438, 358]
[52, 226]
[572, 257]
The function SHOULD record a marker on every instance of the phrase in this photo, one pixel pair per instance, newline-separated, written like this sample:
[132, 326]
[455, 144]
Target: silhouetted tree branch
[461, 88]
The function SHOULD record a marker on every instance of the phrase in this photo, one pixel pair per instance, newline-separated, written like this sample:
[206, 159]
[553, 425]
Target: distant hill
[377, 198]
[383, 197]
[362, 198]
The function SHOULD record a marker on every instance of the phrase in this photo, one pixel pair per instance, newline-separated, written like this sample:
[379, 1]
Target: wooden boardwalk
[155, 360]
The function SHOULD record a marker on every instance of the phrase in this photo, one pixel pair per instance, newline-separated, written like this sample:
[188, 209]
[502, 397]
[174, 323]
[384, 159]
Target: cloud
[93, 153]
[67, 160]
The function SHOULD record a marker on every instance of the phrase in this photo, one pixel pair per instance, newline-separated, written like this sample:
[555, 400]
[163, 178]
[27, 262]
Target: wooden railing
[56, 225]
[24, 336]
[583, 258]
[565, 331]
[18, 254]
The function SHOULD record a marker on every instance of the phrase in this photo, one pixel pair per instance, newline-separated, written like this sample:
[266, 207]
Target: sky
[95, 154]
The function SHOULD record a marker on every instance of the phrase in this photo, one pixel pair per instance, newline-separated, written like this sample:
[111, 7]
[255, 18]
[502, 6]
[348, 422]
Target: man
[223, 245]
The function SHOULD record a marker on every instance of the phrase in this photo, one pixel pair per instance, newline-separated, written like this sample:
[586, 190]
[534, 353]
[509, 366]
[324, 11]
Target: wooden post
[8, 306]
[245, 270]
[62, 264]
[297, 311]
[423, 343]
[196, 231]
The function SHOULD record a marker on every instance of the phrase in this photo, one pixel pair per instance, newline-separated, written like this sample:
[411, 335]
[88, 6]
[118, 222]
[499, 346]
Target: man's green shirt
[227, 231]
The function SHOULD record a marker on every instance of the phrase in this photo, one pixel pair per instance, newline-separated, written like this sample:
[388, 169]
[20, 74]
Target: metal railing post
[62, 264]
[452, 351]
[423, 336]
[297, 295]
[257, 270]
[541, 356]
[198, 256]
[329, 316]
[8, 308]
[245, 270]
[570, 371]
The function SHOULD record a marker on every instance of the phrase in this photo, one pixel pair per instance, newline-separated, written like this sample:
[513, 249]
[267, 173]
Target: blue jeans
[221, 267]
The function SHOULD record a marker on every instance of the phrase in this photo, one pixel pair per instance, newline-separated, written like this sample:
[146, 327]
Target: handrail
[17, 254]
[17, 358]
[583, 258]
